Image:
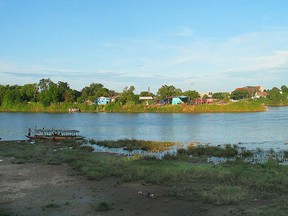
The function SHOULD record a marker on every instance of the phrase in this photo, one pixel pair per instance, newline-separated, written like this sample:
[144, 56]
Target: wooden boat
[54, 134]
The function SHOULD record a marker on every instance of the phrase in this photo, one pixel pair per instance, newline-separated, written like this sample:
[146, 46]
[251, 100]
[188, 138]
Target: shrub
[102, 206]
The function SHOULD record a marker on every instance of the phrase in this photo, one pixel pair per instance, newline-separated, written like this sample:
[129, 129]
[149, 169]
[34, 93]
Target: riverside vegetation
[252, 189]
[47, 96]
[131, 107]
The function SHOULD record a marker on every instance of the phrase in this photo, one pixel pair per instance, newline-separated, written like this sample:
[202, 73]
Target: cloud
[184, 31]
[211, 64]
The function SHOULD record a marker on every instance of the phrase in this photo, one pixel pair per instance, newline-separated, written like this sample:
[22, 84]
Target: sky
[207, 45]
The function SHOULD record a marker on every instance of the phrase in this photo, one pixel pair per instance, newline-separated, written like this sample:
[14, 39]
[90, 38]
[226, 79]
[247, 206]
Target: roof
[146, 98]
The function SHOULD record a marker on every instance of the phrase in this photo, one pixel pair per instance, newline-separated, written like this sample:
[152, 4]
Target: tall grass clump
[241, 106]
[133, 144]
[216, 151]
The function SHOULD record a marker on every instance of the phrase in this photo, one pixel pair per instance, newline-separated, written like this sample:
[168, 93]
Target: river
[265, 129]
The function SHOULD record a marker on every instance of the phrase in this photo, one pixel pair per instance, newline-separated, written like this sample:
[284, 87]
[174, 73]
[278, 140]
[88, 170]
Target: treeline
[46, 92]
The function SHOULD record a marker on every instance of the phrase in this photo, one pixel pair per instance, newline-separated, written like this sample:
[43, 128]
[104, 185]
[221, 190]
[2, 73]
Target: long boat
[54, 134]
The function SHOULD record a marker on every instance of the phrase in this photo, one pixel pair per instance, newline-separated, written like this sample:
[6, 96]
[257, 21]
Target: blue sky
[207, 45]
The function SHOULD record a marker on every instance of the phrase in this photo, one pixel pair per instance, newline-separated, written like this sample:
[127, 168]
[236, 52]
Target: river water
[262, 129]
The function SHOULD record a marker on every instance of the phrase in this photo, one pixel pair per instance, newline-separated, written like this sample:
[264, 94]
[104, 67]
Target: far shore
[241, 106]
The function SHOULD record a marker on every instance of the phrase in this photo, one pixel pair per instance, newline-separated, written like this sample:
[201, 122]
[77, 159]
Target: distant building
[209, 94]
[261, 94]
[147, 99]
[252, 90]
[103, 100]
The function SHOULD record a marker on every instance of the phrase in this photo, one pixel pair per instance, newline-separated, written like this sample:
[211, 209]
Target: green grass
[54, 107]
[132, 144]
[130, 107]
[52, 205]
[231, 183]
[102, 206]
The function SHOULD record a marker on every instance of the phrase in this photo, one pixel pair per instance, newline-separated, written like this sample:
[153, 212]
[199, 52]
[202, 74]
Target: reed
[131, 107]
[132, 144]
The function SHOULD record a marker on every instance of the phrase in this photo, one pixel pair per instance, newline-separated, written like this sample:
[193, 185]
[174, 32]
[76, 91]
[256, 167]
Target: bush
[216, 151]
[102, 206]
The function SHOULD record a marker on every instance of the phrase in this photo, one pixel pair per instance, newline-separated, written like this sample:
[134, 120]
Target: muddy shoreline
[38, 189]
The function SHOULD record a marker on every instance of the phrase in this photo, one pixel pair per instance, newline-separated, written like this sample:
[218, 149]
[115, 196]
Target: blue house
[103, 100]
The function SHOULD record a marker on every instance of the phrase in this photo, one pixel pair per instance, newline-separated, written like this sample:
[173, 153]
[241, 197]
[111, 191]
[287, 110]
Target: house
[102, 100]
[147, 99]
[261, 94]
[252, 90]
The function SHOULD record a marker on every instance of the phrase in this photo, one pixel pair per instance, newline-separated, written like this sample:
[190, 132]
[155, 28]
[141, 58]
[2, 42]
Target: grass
[132, 144]
[242, 106]
[52, 205]
[102, 206]
[130, 107]
[231, 183]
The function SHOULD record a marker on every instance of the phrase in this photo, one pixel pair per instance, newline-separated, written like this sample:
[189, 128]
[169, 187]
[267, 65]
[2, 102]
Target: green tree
[239, 94]
[168, 91]
[145, 94]
[93, 91]
[284, 89]
[128, 95]
[48, 92]
[192, 94]
[64, 92]
[221, 95]
[2, 92]
[274, 95]
[44, 84]
[12, 95]
[29, 92]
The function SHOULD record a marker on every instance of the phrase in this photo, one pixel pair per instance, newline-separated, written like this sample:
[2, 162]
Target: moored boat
[54, 134]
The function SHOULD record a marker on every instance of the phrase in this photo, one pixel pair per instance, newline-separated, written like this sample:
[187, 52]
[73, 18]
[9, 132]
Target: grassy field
[260, 189]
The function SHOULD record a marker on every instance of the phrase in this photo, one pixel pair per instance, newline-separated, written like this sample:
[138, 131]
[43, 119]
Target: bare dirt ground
[37, 189]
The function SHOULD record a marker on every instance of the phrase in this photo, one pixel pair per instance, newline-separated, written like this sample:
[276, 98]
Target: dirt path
[37, 189]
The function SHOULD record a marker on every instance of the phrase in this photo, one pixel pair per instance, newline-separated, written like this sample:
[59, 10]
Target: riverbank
[242, 106]
[72, 177]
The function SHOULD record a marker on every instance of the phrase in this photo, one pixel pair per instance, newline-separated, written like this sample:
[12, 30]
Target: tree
[168, 91]
[192, 94]
[44, 84]
[12, 95]
[274, 94]
[64, 92]
[29, 92]
[145, 94]
[48, 92]
[239, 94]
[2, 92]
[220, 95]
[93, 91]
[284, 89]
[128, 95]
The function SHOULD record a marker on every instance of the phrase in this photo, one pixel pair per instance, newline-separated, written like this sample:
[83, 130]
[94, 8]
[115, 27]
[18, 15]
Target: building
[261, 94]
[147, 99]
[102, 100]
[252, 90]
